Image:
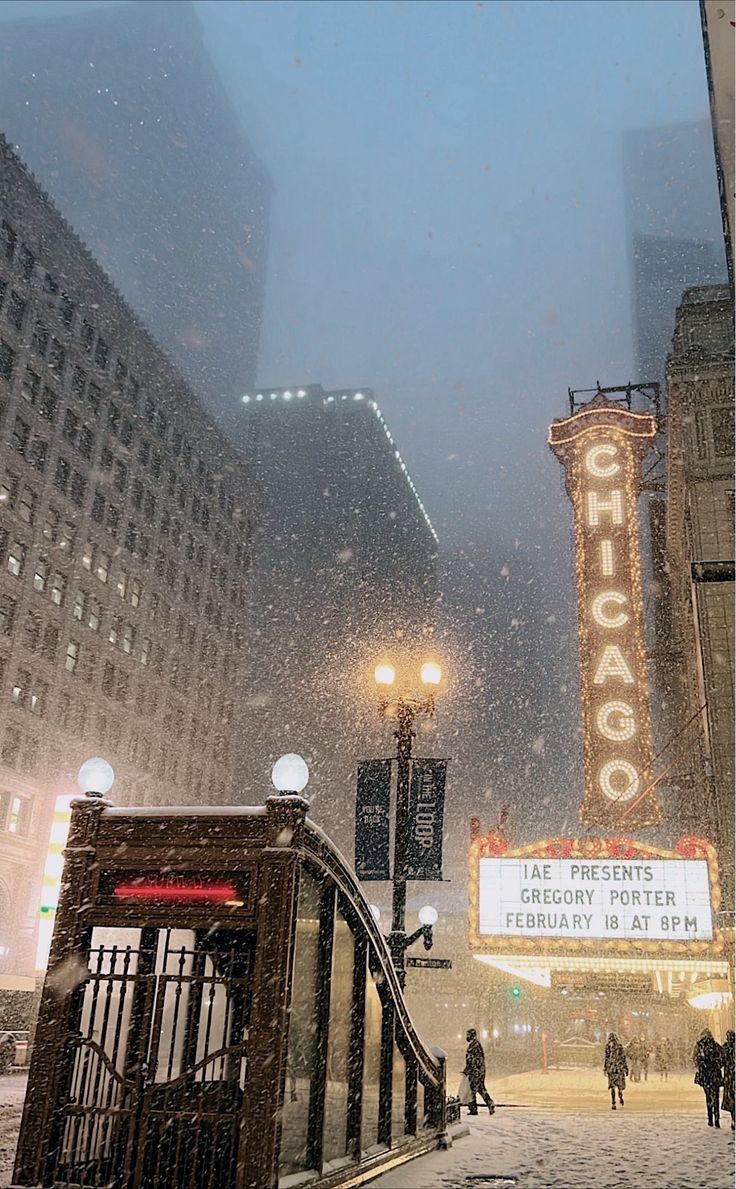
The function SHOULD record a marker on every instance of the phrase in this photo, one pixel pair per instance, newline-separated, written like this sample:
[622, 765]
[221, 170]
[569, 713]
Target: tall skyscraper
[674, 231]
[125, 529]
[123, 119]
[343, 573]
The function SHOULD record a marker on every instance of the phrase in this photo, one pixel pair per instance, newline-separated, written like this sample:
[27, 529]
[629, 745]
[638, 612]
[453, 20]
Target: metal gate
[156, 1062]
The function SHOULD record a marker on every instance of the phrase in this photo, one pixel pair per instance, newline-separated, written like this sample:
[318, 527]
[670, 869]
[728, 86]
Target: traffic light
[516, 992]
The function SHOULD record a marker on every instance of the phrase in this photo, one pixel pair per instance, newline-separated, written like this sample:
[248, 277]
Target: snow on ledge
[187, 811]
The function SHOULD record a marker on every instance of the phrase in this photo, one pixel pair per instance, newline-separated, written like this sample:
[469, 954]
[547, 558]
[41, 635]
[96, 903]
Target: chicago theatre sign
[601, 448]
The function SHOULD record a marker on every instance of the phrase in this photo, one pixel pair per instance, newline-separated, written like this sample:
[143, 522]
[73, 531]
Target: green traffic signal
[516, 991]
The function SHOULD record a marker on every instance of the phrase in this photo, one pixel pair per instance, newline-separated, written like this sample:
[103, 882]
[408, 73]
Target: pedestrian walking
[8, 1051]
[708, 1062]
[617, 1067]
[646, 1052]
[635, 1057]
[728, 1076]
[475, 1071]
[663, 1058]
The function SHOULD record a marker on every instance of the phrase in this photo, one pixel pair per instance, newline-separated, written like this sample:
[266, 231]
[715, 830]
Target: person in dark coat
[475, 1071]
[8, 1050]
[617, 1067]
[708, 1062]
[728, 1077]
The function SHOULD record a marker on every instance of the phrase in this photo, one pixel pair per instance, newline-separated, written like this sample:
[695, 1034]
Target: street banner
[426, 813]
[372, 820]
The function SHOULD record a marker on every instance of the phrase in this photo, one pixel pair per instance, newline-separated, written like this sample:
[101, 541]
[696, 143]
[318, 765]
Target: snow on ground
[12, 1093]
[544, 1149]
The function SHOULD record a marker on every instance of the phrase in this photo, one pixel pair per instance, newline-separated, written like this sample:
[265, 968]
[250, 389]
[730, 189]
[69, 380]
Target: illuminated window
[78, 607]
[93, 614]
[58, 589]
[128, 638]
[41, 575]
[19, 816]
[72, 656]
[27, 506]
[88, 555]
[136, 591]
[102, 568]
[145, 650]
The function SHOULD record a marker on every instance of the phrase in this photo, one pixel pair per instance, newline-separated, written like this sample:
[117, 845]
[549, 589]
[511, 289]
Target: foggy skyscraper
[113, 110]
[673, 231]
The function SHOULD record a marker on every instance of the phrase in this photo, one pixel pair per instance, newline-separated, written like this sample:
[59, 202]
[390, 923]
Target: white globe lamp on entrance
[95, 777]
[290, 774]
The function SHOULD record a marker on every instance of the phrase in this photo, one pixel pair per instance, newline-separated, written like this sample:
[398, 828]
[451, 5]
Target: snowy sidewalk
[552, 1150]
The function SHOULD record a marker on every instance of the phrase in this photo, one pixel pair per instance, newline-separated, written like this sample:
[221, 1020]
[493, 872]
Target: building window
[144, 453]
[16, 311]
[114, 633]
[51, 525]
[126, 432]
[137, 494]
[722, 423]
[32, 631]
[150, 506]
[68, 536]
[88, 555]
[120, 476]
[145, 650]
[106, 458]
[113, 419]
[8, 240]
[136, 590]
[37, 701]
[94, 614]
[98, 506]
[101, 353]
[41, 575]
[78, 488]
[57, 355]
[72, 656]
[51, 642]
[79, 379]
[30, 386]
[19, 818]
[7, 614]
[66, 309]
[40, 339]
[7, 361]
[27, 506]
[49, 401]
[37, 454]
[8, 490]
[16, 559]
[86, 442]
[63, 473]
[70, 428]
[20, 436]
[58, 589]
[26, 262]
[94, 397]
[108, 679]
[19, 691]
[112, 520]
[102, 568]
[128, 639]
[87, 335]
[78, 607]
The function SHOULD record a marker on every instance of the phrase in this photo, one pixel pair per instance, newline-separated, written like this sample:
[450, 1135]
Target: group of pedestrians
[714, 1069]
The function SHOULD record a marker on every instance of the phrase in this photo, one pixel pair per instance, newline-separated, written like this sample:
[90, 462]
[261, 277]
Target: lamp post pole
[404, 735]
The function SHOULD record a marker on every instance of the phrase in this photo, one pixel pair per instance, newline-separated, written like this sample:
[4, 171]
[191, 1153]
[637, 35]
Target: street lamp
[290, 774]
[404, 699]
[95, 777]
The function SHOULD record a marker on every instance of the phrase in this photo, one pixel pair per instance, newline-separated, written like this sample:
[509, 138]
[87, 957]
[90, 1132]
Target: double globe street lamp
[403, 698]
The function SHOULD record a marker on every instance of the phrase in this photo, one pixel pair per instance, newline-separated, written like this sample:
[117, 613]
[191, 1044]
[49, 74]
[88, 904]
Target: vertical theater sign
[604, 911]
[601, 448]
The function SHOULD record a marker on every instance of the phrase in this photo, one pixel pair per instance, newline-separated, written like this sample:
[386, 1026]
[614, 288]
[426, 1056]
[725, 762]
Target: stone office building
[700, 555]
[125, 528]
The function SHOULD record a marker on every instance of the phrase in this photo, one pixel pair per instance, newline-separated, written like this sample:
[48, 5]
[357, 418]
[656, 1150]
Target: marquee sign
[601, 448]
[594, 895]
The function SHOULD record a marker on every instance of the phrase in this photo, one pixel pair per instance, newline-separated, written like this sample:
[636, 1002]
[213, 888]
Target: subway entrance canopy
[220, 1010]
[607, 908]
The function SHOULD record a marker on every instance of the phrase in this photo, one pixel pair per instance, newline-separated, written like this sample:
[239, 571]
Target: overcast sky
[448, 224]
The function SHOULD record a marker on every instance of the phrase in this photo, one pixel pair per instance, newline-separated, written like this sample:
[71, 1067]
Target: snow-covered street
[528, 1148]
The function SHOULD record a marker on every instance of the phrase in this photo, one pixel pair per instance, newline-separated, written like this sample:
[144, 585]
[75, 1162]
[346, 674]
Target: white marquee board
[611, 899]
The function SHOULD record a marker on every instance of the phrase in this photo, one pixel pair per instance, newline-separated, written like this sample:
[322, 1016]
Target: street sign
[429, 963]
[372, 820]
[425, 811]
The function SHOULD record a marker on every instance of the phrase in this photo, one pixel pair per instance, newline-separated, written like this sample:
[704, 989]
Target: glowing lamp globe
[428, 915]
[375, 910]
[290, 774]
[384, 674]
[95, 776]
[430, 673]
